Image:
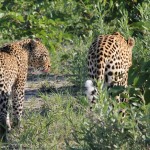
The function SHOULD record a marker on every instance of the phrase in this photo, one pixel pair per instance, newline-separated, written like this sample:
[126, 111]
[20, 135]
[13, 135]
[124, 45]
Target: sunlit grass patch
[48, 126]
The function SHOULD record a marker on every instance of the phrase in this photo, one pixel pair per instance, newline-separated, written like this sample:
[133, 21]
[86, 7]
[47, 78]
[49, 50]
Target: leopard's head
[38, 56]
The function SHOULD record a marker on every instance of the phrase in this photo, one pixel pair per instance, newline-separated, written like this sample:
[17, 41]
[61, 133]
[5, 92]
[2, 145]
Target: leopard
[15, 60]
[109, 60]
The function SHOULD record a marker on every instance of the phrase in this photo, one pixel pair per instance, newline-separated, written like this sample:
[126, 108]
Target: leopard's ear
[37, 39]
[5, 48]
[33, 42]
[30, 45]
[131, 42]
[116, 33]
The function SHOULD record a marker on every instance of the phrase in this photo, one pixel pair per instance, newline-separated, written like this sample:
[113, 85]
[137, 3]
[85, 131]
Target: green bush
[105, 128]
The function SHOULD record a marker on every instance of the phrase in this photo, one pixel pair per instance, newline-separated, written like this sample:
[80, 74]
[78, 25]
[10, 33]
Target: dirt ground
[45, 84]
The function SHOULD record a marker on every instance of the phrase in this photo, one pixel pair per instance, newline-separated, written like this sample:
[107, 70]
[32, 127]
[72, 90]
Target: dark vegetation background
[67, 28]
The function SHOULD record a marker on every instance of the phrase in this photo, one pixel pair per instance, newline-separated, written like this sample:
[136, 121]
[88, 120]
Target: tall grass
[66, 122]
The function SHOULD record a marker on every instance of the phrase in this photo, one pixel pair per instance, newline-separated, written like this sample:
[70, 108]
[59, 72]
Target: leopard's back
[8, 71]
[109, 59]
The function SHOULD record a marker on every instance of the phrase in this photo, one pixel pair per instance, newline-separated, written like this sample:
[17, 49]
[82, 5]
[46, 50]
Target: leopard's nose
[49, 66]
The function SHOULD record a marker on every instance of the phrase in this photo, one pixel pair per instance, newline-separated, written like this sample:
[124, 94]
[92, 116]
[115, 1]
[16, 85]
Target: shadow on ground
[49, 84]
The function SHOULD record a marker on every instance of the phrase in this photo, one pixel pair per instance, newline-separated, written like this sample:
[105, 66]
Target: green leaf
[147, 96]
[135, 81]
[145, 66]
[117, 90]
[142, 80]
[140, 25]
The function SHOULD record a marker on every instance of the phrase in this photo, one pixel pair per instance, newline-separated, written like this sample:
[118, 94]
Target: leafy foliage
[105, 128]
[67, 28]
[140, 81]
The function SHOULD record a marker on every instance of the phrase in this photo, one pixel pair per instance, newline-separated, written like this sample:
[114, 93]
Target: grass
[65, 122]
[58, 116]
[48, 127]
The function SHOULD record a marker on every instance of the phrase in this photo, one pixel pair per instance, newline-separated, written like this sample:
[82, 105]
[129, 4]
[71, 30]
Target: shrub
[105, 128]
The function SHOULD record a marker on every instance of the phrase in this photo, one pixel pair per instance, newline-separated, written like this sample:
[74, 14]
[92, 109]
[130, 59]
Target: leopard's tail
[91, 91]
